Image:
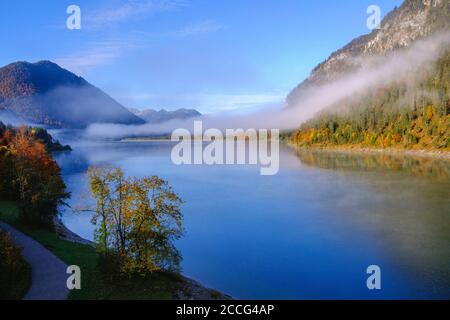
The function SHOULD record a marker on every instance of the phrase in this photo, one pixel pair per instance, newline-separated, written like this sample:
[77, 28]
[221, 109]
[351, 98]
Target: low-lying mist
[373, 72]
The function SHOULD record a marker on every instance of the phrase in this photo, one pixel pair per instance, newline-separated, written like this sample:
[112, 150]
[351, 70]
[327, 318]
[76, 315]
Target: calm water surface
[309, 232]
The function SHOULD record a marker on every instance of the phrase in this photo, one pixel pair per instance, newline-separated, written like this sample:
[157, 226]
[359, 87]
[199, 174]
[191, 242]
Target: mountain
[413, 20]
[408, 109]
[154, 116]
[44, 93]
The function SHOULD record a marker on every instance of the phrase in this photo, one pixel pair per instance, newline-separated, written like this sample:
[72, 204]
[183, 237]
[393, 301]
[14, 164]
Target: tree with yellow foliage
[137, 221]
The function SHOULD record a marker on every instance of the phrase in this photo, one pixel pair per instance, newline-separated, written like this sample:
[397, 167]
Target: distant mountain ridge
[44, 93]
[154, 116]
[413, 20]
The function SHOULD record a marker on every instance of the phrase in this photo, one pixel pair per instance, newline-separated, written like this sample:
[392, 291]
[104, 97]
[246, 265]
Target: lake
[309, 232]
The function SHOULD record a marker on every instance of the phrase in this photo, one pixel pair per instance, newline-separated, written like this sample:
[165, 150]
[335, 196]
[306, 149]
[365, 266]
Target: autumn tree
[36, 179]
[411, 112]
[137, 220]
[6, 164]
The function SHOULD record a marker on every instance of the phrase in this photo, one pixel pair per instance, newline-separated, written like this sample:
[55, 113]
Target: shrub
[14, 271]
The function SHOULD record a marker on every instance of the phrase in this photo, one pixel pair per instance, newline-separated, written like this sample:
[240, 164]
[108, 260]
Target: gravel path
[48, 272]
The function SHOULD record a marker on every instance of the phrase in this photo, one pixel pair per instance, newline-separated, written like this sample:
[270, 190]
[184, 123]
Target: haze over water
[309, 232]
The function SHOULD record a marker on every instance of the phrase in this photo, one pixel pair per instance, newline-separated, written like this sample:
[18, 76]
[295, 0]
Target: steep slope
[413, 20]
[153, 116]
[412, 112]
[45, 93]
[408, 109]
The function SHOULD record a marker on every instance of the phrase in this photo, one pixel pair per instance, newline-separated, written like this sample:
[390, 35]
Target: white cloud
[233, 102]
[92, 56]
[200, 28]
[132, 9]
[195, 29]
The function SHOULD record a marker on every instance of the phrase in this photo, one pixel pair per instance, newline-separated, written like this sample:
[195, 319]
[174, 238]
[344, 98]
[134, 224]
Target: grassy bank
[95, 285]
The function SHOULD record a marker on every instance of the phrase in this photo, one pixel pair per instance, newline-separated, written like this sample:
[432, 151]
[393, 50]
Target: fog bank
[374, 72]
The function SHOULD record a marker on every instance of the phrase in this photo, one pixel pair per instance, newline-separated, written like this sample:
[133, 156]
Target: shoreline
[348, 149]
[190, 288]
[127, 140]
[420, 153]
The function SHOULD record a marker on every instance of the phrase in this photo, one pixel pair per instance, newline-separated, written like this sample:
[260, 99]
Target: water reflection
[407, 213]
[430, 168]
[308, 232]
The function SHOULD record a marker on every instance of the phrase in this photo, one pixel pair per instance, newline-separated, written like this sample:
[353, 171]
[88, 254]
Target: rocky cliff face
[413, 20]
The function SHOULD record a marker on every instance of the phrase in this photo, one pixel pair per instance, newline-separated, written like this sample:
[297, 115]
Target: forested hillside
[408, 113]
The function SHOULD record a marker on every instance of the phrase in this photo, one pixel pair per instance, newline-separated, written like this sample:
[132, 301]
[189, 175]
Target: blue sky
[213, 55]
